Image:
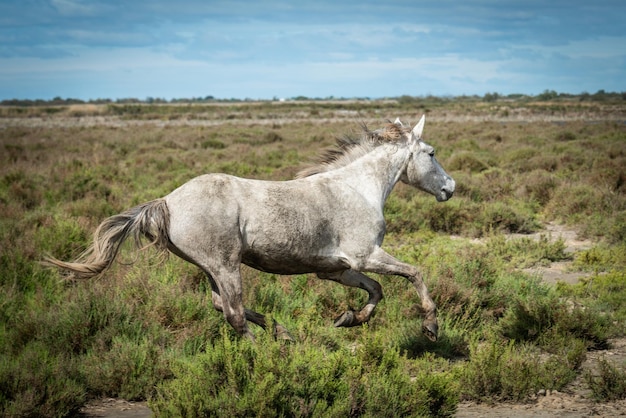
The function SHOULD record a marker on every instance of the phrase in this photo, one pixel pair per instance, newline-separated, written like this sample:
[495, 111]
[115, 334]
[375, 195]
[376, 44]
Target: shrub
[609, 384]
[495, 184]
[616, 231]
[570, 351]
[510, 372]
[272, 137]
[36, 382]
[526, 252]
[588, 324]
[128, 369]
[65, 238]
[528, 319]
[602, 297]
[566, 136]
[602, 258]
[545, 316]
[213, 143]
[573, 202]
[19, 187]
[538, 186]
[466, 161]
[237, 378]
[506, 217]
[518, 159]
[452, 218]
[396, 211]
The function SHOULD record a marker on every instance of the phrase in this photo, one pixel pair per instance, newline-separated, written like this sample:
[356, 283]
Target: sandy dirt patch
[110, 408]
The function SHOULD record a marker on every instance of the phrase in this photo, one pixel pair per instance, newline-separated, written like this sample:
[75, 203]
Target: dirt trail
[519, 115]
[115, 408]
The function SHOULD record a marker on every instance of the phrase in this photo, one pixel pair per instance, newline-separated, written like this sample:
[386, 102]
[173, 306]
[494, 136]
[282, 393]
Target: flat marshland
[147, 330]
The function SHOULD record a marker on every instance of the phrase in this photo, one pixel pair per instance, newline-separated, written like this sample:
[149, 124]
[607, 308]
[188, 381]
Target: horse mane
[350, 148]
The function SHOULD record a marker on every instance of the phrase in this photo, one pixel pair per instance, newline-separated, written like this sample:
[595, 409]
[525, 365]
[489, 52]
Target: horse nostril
[448, 189]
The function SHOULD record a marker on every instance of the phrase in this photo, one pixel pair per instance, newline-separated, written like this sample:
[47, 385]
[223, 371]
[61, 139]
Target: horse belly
[286, 261]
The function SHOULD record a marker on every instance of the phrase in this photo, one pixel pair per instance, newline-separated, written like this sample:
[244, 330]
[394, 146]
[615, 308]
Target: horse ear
[417, 131]
[398, 122]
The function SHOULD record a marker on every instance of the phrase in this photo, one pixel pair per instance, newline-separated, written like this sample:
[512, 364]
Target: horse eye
[431, 152]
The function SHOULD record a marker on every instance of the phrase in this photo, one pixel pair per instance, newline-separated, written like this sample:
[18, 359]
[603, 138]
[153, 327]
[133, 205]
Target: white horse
[328, 221]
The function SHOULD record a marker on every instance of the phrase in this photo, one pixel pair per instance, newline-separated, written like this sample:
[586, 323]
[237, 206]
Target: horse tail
[149, 220]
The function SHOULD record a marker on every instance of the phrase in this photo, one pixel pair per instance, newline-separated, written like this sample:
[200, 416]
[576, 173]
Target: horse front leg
[382, 263]
[354, 278]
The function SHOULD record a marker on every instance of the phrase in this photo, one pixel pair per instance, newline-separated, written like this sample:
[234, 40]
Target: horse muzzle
[446, 191]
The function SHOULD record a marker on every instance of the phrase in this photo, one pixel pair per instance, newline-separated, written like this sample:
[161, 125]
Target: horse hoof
[346, 319]
[281, 333]
[430, 330]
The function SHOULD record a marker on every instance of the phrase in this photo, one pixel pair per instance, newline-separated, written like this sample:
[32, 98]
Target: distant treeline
[547, 95]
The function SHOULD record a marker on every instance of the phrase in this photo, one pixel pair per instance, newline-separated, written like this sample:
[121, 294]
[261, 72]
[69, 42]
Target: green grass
[147, 329]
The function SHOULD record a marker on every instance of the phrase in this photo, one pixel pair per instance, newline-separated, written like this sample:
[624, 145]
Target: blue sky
[90, 49]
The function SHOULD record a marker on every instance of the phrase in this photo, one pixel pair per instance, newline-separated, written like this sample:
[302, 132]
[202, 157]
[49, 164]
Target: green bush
[538, 186]
[495, 184]
[128, 368]
[213, 143]
[507, 217]
[466, 161]
[35, 382]
[526, 252]
[237, 378]
[450, 219]
[575, 201]
[602, 258]
[528, 319]
[510, 372]
[608, 384]
[535, 315]
[603, 297]
[21, 188]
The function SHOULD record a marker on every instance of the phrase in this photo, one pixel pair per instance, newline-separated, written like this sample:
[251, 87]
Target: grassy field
[147, 330]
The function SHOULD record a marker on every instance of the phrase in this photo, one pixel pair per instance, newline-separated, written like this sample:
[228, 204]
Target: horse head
[423, 170]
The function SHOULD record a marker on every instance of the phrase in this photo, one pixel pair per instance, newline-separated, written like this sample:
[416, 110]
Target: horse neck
[375, 174]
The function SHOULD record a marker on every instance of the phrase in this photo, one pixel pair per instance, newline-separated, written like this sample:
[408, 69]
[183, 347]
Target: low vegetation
[147, 331]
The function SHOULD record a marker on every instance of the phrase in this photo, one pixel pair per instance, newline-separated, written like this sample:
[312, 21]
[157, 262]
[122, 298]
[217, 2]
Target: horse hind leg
[233, 309]
[279, 332]
[354, 278]
[228, 298]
